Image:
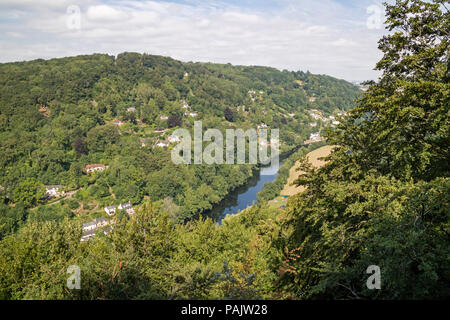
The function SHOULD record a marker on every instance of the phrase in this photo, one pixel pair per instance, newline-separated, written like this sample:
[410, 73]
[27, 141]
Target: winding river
[245, 196]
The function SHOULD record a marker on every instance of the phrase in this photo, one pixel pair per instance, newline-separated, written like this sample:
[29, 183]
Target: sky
[334, 37]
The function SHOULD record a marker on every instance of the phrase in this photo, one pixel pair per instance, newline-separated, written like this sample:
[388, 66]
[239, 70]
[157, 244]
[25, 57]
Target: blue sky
[335, 37]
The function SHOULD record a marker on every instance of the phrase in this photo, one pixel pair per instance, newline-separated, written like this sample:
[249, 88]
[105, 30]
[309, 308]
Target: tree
[79, 146]
[29, 192]
[228, 113]
[174, 121]
[382, 196]
[401, 125]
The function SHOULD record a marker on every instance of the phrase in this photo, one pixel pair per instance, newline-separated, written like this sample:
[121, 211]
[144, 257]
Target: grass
[313, 156]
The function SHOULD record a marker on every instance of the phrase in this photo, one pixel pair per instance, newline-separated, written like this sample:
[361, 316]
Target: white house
[54, 191]
[313, 124]
[193, 114]
[263, 125]
[95, 167]
[163, 118]
[131, 109]
[173, 138]
[127, 207]
[88, 235]
[162, 144]
[315, 136]
[111, 210]
[94, 224]
[90, 227]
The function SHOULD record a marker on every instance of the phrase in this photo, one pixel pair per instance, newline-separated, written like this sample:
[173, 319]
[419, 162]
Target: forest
[381, 199]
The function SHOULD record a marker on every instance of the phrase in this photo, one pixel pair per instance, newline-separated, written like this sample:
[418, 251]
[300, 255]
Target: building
[131, 109]
[94, 224]
[163, 118]
[54, 191]
[193, 114]
[163, 144]
[95, 167]
[173, 138]
[118, 123]
[127, 207]
[315, 136]
[89, 229]
[261, 126]
[313, 124]
[87, 235]
[111, 210]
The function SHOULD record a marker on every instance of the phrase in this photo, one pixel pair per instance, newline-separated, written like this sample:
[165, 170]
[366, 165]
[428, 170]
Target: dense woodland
[381, 199]
[58, 116]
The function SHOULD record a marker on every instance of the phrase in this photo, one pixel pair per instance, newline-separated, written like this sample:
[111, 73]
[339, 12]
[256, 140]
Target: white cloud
[105, 13]
[307, 35]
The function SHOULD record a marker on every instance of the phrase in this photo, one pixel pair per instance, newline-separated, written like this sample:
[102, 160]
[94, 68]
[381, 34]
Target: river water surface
[245, 196]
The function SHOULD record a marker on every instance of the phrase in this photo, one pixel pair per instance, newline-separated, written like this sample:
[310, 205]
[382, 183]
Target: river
[245, 196]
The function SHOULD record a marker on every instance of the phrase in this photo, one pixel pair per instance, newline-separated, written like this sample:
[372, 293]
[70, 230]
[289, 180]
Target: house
[88, 235]
[313, 124]
[163, 144]
[193, 114]
[111, 210]
[312, 99]
[251, 92]
[261, 126]
[335, 123]
[95, 167]
[54, 191]
[315, 136]
[45, 111]
[173, 138]
[186, 106]
[315, 114]
[163, 118]
[94, 224]
[127, 207]
[118, 123]
[131, 109]
[90, 227]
